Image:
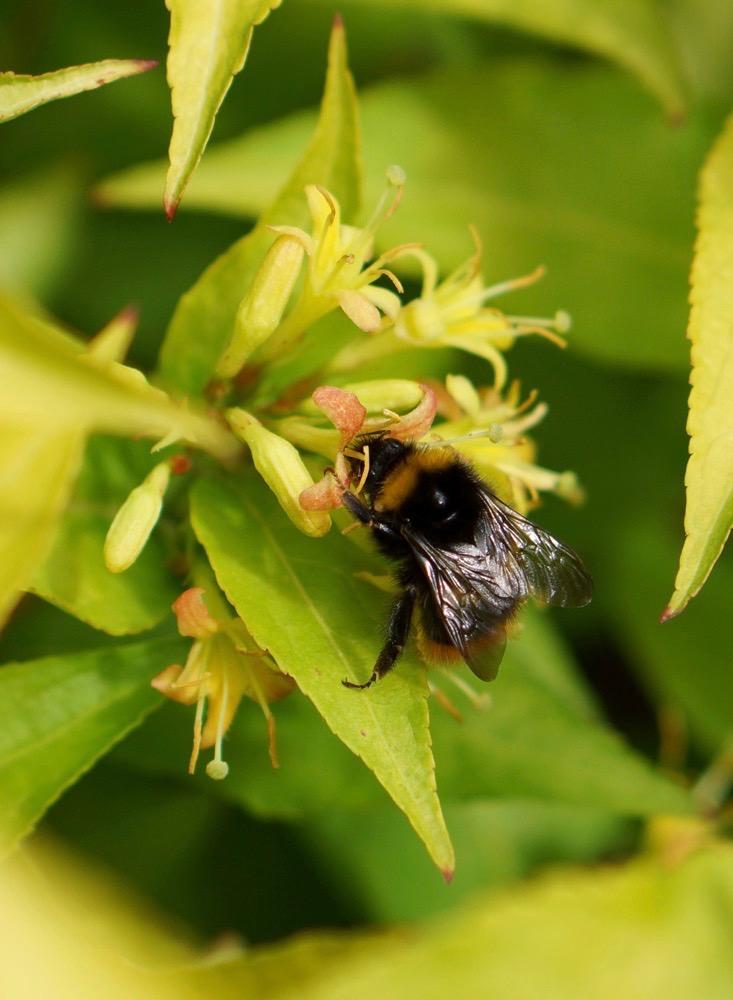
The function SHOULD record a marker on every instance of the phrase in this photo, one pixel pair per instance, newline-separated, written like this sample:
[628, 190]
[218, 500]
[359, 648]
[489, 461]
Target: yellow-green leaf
[465, 165]
[74, 576]
[44, 954]
[39, 228]
[641, 931]
[54, 394]
[20, 93]
[300, 600]
[239, 177]
[208, 45]
[633, 33]
[49, 382]
[38, 467]
[709, 475]
[204, 318]
[61, 713]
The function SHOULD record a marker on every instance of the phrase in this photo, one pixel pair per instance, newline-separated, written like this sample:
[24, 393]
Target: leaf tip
[170, 207]
[129, 315]
[447, 874]
[143, 65]
[98, 197]
[338, 22]
[668, 613]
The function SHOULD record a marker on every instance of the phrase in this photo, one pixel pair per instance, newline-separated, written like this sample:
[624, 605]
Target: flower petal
[193, 616]
[478, 346]
[421, 322]
[326, 494]
[388, 302]
[360, 310]
[464, 393]
[417, 422]
[342, 408]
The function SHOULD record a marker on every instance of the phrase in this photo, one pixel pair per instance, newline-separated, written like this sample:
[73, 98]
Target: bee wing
[531, 560]
[476, 587]
[471, 604]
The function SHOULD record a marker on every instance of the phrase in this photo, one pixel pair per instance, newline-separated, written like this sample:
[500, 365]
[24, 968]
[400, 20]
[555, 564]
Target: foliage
[207, 47]
[709, 513]
[319, 280]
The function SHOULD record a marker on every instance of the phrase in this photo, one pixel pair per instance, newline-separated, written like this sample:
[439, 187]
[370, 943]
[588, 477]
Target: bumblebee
[465, 560]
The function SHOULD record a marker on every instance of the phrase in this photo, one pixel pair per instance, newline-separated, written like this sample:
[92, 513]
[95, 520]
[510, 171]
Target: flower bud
[262, 308]
[135, 519]
[380, 394]
[303, 434]
[280, 465]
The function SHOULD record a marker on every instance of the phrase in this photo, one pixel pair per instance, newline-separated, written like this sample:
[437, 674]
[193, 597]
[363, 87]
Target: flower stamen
[218, 767]
[198, 722]
[364, 471]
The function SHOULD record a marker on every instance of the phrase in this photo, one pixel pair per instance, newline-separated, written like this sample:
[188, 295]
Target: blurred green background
[559, 157]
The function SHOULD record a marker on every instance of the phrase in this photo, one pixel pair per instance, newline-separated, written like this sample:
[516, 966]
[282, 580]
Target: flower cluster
[303, 277]
[224, 665]
[338, 276]
[485, 427]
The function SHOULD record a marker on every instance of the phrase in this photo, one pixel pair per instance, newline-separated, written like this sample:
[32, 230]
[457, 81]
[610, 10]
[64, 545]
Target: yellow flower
[338, 274]
[359, 407]
[223, 666]
[349, 416]
[453, 313]
[490, 430]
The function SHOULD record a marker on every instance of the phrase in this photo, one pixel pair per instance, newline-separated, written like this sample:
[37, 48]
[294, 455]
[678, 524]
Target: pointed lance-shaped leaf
[208, 45]
[709, 475]
[55, 393]
[634, 34]
[277, 577]
[61, 713]
[20, 93]
[50, 380]
[204, 318]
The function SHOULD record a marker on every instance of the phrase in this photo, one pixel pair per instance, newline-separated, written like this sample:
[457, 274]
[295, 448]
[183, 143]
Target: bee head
[379, 454]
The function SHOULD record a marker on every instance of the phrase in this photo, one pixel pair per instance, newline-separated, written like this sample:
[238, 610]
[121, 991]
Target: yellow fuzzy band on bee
[442, 653]
[399, 484]
[439, 653]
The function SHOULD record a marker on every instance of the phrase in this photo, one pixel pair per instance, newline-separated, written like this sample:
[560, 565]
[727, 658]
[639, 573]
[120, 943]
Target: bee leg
[398, 629]
[354, 506]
